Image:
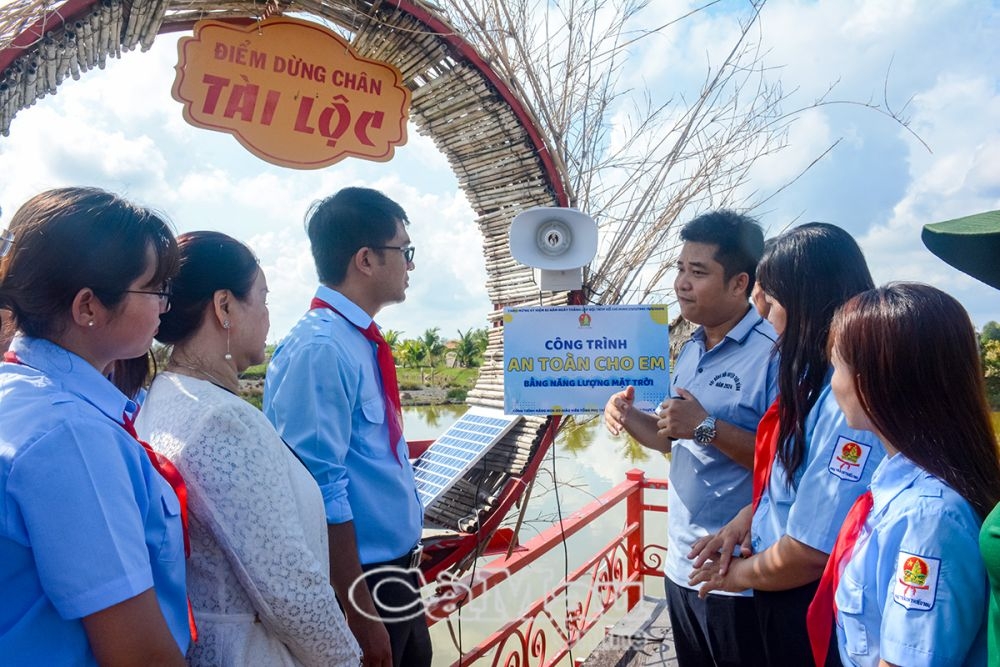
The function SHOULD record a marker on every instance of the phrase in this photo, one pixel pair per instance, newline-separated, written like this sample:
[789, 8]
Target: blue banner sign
[570, 359]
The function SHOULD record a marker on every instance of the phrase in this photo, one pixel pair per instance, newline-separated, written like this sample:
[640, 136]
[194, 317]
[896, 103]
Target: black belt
[408, 561]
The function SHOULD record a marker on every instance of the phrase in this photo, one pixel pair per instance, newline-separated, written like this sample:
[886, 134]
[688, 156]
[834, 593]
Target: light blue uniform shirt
[323, 393]
[838, 464]
[86, 521]
[735, 382]
[914, 591]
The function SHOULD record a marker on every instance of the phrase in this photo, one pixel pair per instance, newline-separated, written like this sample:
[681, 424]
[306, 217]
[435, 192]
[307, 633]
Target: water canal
[585, 462]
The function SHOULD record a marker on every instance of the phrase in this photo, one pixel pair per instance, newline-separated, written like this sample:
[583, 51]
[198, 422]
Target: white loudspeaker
[557, 241]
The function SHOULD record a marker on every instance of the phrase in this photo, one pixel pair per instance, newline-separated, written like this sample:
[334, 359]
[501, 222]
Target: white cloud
[291, 278]
[881, 183]
[123, 131]
[808, 136]
[959, 117]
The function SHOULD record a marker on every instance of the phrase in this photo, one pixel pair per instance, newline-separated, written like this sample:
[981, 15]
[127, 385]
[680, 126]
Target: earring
[90, 323]
[225, 325]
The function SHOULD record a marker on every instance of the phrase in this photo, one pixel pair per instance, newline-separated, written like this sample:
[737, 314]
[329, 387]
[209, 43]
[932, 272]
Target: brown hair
[68, 239]
[919, 380]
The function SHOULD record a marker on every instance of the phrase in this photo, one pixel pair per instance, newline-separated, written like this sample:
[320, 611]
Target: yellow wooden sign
[293, 93]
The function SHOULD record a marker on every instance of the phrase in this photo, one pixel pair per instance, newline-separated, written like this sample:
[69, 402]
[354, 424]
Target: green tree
[991, 358]
[481, 336]
[467, 352]
[393, 338]
[412, 353]
[991, 331]
[433, 345]
[989, 347]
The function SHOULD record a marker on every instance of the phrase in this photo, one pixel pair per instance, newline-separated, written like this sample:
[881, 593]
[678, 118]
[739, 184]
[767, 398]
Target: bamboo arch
[500, 159]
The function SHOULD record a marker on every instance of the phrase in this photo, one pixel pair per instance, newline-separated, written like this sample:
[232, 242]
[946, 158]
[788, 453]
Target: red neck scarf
[387, 369]
[168, 471]
[819, 618]
[766, 449]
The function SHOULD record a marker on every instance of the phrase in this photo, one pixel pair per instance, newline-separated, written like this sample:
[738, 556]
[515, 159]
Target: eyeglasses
[407, 250]
[163, 296]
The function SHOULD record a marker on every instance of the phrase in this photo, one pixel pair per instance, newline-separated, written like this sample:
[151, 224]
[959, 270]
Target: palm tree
[392, 337]
[412, 353]
[481, 337]
[466, 349]
[433, 345]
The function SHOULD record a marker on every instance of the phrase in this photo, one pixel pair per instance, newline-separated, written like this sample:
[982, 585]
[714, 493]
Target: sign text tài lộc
[294, 93]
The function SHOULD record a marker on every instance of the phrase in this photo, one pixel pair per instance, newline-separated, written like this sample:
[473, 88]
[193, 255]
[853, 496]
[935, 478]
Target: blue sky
[120, 129]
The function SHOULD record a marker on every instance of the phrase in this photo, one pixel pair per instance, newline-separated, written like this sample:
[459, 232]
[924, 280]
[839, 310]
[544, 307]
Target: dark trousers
[782, 618]
[719, 631]
[396, 593]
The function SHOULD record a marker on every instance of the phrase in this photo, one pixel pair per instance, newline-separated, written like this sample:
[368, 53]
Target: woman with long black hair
[809, 465]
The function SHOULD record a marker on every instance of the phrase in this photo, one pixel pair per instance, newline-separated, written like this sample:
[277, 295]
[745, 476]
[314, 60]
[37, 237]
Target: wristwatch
[704, 433]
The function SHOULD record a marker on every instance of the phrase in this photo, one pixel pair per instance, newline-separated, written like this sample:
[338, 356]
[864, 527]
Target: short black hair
[345, 222]
[739, 239]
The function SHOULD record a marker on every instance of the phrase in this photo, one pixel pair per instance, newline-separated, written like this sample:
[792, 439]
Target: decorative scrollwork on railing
[649, 559]
[529, 650]
[611, 576]
[569, 612]
[549, 628]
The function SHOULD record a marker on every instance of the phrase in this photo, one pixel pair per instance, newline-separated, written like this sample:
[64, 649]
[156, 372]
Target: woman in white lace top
[258, 576]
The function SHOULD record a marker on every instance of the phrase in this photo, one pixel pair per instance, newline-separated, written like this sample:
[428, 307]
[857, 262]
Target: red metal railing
[567, 612]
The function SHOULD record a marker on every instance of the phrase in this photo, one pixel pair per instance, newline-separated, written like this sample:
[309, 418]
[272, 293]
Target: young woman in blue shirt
[809, 465]
[913, 589]
[91, 542]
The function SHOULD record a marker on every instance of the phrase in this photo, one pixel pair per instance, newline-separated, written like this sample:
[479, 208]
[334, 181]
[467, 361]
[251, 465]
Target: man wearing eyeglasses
[331, 393]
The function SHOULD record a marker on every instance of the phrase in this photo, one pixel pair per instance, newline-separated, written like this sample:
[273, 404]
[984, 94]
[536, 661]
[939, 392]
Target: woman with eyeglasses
[259, 571]
[91, 535]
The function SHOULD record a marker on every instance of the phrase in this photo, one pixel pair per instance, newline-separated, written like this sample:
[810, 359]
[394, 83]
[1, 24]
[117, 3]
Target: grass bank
[417, 386]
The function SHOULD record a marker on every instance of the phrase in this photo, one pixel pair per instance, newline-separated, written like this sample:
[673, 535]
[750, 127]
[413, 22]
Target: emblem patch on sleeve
[849, 459]
[915, 586]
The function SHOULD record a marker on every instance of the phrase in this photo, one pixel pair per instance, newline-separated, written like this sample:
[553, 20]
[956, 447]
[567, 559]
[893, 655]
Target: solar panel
[458, 449]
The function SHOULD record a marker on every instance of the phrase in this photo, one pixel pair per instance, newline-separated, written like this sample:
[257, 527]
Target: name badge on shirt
[916, 581]
[849, 459]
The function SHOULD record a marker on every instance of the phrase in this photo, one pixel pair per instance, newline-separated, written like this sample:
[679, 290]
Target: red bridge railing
[547, 629]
